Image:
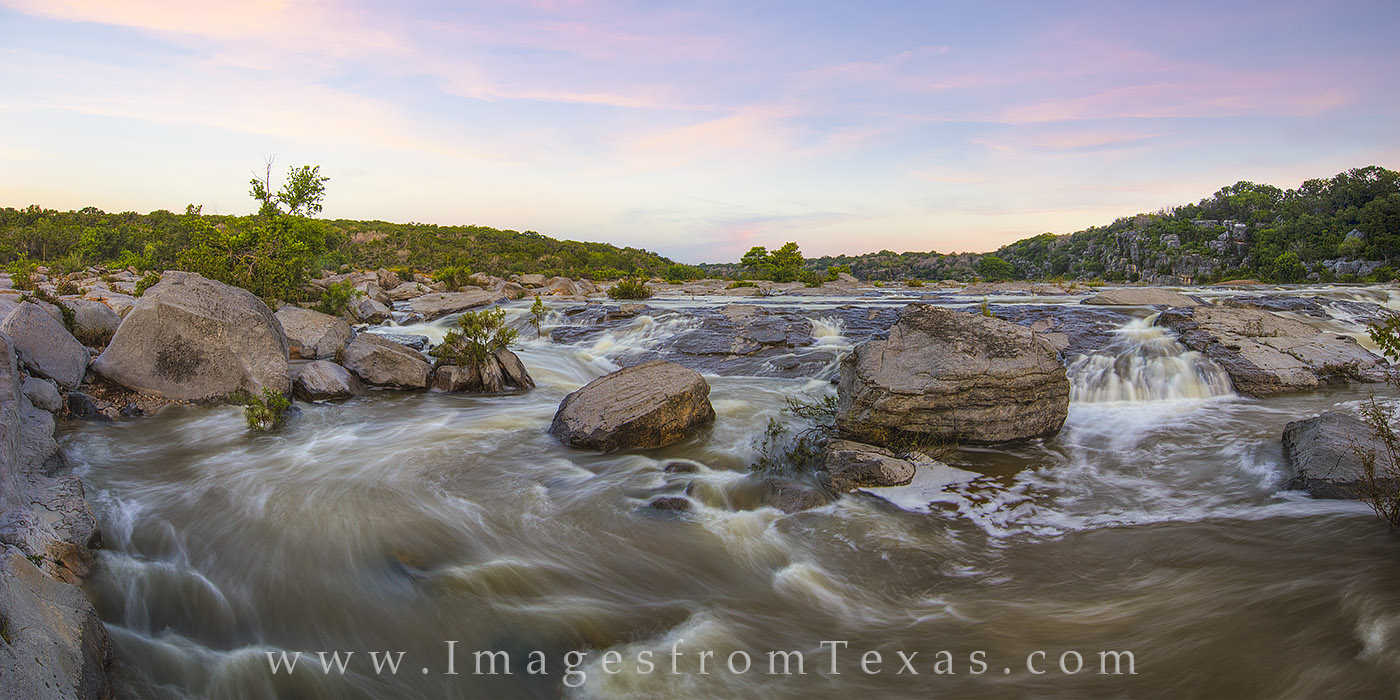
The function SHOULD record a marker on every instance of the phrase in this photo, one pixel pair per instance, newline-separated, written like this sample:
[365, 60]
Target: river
[442, 525]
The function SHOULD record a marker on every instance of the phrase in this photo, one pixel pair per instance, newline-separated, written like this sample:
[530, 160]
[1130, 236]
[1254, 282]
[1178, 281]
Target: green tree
[994, 269]
[1288, 269]
[301, 193]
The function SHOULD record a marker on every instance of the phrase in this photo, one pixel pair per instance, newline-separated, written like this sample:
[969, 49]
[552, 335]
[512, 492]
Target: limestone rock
[1267, 354]
[851, 465]
[945, 375]
[439, 304]
[649, 405]
[45, 346]
[1142, 296]
[311, 334]
[191, 338]
[383, 362]
[1322, 453]
[323, 380]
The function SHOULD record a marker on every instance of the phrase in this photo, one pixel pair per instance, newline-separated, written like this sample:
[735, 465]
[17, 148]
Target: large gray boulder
[439, 304]
[323, 380]
[311, 334]
[44, 346]
[195, 339]
[952, 376]
[94, 322]
[849, 465]
[55, 644]
[383, 362]
[1265, 353]
[367, 310]
[1322, 453]
[649, 405]
[1142, 296]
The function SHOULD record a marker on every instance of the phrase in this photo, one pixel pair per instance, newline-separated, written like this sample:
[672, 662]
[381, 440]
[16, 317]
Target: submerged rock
[192, 338]
[649, 405]
[794, 497]
[1322, 451]
[381, 362]
[45, 346]
[324, 380]
[951, 376]
[1267, 354]
[311, 334]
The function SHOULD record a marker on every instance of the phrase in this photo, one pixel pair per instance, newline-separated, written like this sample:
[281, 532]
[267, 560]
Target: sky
[696, 129]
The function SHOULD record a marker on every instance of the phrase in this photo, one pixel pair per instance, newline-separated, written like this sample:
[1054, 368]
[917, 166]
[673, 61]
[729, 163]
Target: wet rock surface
[952, 376]
[1323, 454]
[646, 406]
[1265, 353]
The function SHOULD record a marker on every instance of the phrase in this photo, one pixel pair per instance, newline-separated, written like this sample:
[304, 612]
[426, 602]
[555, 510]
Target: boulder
[55, 644]
[1322, 454]
[514, 370]
[649, 405]
[191, 338]
[501, 372]
[366, 310]
[44, 346]
[952, 376]
[383, 362]
[387, 280]
[1142, 296]
[851, 465]
[531, 281]
[43, 394]
[794, 497]
[323, 380]
[311, 334]
[93, 321]
[408, 290]
[439, 304]
[417, 342]
[561, 285]
[1267, 354]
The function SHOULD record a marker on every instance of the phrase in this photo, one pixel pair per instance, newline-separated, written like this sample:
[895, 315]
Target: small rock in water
[417, 342]
[679, 467]
[673, 503]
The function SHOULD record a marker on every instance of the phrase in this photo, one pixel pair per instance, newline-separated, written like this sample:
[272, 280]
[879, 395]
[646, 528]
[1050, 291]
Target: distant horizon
[695, 130]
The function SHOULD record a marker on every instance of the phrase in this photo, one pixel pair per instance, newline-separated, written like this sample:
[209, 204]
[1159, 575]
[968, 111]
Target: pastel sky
[696, 129]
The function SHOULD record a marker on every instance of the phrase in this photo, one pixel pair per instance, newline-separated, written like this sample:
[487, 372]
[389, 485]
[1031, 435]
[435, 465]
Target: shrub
[68, 288]
[454, 277]
[630, 288]
[1379, 485]
[736, 284]
[478, 334]
[537, 313]
[150, 280]
[337, 298]
[267, 412]
[809, 278]
[405, 274]
[22, 277]
[914, 283]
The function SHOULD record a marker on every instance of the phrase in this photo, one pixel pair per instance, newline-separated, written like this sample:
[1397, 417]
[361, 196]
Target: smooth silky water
[1154, 523]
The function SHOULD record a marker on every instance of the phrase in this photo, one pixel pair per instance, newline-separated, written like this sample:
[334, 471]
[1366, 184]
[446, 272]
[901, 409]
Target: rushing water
[1154, 523]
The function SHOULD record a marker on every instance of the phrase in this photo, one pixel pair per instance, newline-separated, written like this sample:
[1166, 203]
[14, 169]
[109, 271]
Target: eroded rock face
[53, 643]
[952, 376]
[502, 371]
[649, 405]
[1142, 296]
[323, 380]
[1268, 354]
[439, 304]
[311, 334]
[45, 346]
[191, 338]
[1322, 453]
[383, 362]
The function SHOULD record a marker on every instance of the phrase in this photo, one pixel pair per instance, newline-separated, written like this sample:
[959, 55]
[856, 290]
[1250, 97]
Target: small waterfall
[1145, 363]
